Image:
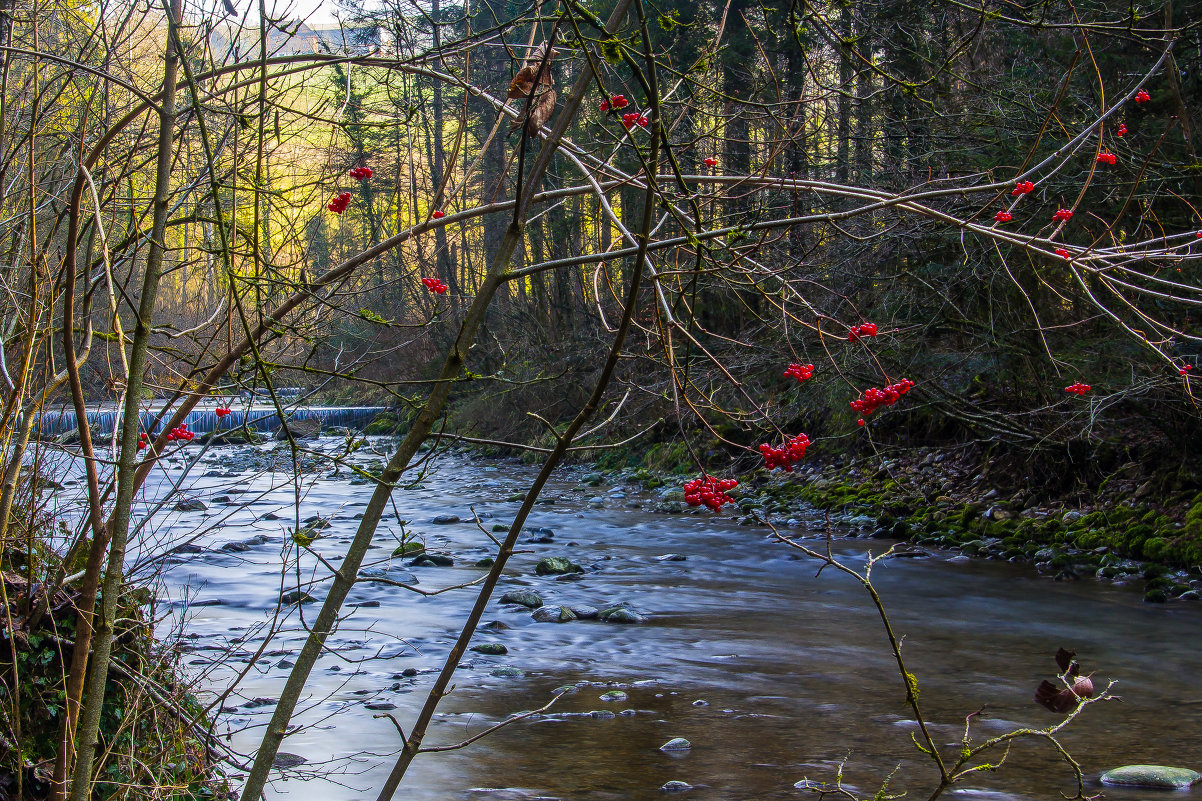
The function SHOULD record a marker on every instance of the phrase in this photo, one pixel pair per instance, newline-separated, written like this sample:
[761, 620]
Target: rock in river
[676, 744]
[445, 520]
[622, 614]
[556, 565]
[1158, 776]
[527, 598]
[553, 614]
[675, 787]
[490, 649]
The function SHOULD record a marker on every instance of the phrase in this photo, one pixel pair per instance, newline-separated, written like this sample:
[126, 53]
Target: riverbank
[1134, 525]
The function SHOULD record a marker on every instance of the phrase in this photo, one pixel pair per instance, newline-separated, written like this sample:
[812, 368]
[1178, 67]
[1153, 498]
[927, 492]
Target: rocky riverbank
[1134, 527]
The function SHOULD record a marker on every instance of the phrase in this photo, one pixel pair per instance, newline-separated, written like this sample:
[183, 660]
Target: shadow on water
[774, 674]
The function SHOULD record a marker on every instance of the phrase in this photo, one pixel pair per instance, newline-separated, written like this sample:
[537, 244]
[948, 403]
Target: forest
[925, 272]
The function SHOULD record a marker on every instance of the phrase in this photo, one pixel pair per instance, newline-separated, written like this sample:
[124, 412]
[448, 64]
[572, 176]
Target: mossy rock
[556, 566]
[490, 649]
[1153, 776]
[410, 548]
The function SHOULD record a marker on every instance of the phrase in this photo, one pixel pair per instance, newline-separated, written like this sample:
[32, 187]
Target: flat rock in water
[285, 760]
[445, 520]
[191, 505]
[676, 744]
[614, 695]
[527, 598]
[553, 614]
[675, 787]
[490, 648]
[1159, 776]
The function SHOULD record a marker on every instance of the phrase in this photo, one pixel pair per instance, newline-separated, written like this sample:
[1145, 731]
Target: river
[773, 673]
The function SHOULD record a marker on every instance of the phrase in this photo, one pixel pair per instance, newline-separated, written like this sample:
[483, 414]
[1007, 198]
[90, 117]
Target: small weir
[202, 421]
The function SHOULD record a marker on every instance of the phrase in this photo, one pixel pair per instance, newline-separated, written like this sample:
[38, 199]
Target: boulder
[556, 566]
[490, 649]
[444, 520]
[433, 560]
[527, 598]
[190, 505]
[300, 429]
[676, 744]
[553, 614]
[1156, 776]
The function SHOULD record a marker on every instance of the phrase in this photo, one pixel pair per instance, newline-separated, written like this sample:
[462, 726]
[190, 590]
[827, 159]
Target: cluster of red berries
[709, 491]
[360, 173]
[1023, 188]
[143, 441]
[617, 101]
[874, 398]
[1142, 96]
[339, 203]
[438, 214]
[1062, 215]
[793, 451]
[1003, 216]
[1122, 131]
[181, 433]
[223, 411]
[1062, 253]
[1107, 158]
[863, 330]
[435, 285]
[634, 118]
[711, 162]
[1184, 370]
[1078, 388]
[801, 372]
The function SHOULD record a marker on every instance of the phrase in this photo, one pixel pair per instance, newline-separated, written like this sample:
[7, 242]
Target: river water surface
[773, 673]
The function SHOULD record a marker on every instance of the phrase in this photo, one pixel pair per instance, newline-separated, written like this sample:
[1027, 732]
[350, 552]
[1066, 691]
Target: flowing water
[774, 674]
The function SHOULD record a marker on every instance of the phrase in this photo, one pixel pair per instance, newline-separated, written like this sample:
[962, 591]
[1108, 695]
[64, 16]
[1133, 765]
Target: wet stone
[1157, 776]
[675, 787]
[527, 598]
[490, 648]
[285, 760]
[676, 744]
[444, 520]
[553, 614]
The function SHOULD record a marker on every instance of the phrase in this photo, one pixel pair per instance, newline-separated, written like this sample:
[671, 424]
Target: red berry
[1003, 217]
[1122, 131]
[1062, 253]
[711, 162]
[604, 105]
[1142, 96]
[438, 215]
[619, 101]
[1062, 215]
